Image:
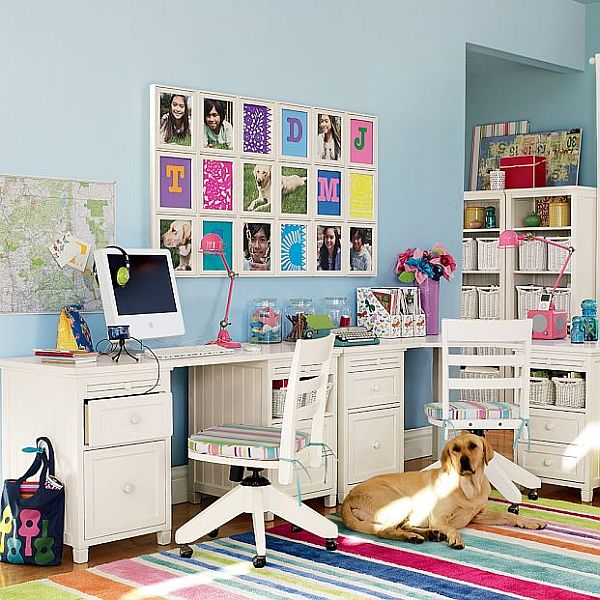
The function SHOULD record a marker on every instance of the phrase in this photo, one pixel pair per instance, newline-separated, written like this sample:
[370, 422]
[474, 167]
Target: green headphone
[123, 273]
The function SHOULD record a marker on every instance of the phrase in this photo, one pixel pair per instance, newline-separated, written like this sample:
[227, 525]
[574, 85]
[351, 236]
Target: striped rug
[561, 562]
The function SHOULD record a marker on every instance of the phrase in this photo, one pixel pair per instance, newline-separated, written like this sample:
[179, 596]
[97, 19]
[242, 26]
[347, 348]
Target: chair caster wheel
[296, 529]
[514, 509]
[533, 495]
[214, 533]
[259, 561]
[331, 545]
[185, 552]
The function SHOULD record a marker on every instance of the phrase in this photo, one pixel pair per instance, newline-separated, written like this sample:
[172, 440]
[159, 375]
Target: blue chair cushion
[474, 411]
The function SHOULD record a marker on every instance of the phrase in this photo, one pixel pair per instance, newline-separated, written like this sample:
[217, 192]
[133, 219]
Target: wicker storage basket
[541, 390]
[489, 302]
[278, 400]
[528, 298]
[469, 255]
[570, 391]
[562, 300]
[533, 255]
[487, 254]
[468, 302]
[479, 395]
[557, 256]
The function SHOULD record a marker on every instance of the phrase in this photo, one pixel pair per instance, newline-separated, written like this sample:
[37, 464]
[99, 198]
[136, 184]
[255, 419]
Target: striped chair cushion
[243, 441]
[474, 410]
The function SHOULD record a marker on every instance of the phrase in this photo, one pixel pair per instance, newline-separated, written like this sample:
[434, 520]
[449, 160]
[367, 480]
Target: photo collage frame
[291, 189]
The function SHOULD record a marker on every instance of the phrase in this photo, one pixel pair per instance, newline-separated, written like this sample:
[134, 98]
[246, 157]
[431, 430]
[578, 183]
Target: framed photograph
[211, 263]
[329, 136]
[218, 123]
[361, 249]
[293, 189]
[293, 248]
[329, 192]
[218, 178]
[362, 195]
[256, 245]
[362, 141]
[173, 122]
[176, 234]
[294, 143]
[329, 247]
[257, 127]
[173, 178]
[258, 186]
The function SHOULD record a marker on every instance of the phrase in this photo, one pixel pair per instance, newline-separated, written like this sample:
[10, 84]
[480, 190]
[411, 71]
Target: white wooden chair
[256, 448]
[494, 388]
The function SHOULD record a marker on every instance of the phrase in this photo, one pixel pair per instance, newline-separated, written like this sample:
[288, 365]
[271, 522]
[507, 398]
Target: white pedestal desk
[113, 441]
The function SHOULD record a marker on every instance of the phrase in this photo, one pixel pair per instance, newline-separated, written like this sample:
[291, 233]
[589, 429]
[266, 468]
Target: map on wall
[36, 211]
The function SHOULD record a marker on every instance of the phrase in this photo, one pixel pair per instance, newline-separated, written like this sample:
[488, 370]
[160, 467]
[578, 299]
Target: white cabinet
[370, 415]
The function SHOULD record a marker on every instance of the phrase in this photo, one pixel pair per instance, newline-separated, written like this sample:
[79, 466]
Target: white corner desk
[113, 441]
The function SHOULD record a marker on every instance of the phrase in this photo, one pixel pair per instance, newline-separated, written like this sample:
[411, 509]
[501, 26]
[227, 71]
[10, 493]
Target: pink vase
[430, 303]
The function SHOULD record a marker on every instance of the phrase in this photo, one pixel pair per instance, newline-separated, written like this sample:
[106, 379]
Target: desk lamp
[548, 323]
[212, 243]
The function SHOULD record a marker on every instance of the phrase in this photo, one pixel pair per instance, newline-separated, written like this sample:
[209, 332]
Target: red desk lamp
[211, 243]
[548, 323]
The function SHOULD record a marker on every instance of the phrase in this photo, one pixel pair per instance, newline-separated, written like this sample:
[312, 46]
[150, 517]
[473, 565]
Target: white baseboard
[179, 484]
[417, 442]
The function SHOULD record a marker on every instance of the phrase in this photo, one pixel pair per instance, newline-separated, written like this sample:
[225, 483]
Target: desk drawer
[128, 419]
[123, 384]
[125, 489]
[369, 361]
[552, 461]
[372, 388]
[555, 426]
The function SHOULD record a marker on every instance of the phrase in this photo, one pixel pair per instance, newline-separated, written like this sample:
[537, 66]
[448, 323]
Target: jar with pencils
[294, 313]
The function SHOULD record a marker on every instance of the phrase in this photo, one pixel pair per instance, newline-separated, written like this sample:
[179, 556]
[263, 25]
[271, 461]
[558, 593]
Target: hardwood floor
[146, 544]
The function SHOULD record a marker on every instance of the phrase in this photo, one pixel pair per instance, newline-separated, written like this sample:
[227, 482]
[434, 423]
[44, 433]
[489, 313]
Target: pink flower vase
[430, 303]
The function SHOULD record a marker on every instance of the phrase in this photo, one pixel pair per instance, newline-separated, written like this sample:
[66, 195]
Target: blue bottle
[589, 308]
[577, 330]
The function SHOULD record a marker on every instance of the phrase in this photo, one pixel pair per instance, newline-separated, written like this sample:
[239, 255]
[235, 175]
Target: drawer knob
[128, 488]
[549, 426]
[135, 419]
[376, 445]
[374, 388]
[548, 462]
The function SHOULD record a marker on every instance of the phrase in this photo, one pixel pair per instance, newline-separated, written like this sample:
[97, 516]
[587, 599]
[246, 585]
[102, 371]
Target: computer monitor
[148, 302]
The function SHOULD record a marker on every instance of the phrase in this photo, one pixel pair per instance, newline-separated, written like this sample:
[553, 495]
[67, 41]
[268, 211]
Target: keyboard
[354, 336]
[188, 351]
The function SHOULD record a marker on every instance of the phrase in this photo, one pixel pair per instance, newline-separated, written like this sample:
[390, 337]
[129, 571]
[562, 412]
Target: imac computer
[138, 289]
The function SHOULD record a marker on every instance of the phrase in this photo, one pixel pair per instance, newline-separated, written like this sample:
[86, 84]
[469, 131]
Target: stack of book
[67, 357]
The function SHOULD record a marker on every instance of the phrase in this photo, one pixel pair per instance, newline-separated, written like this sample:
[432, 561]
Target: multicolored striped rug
[561, 562]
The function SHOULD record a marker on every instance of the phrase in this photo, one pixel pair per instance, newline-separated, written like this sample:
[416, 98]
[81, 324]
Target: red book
[64, 353]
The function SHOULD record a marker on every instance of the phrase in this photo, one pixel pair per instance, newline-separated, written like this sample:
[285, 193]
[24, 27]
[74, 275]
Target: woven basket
[557, 256]
[487, 254]
[469, 256]
[533, 255]
[562, 300]
[278, 400]
[468, 302]
[541, 390]
[489, 302]
[528, 298]
[479, 395]
[570, 391]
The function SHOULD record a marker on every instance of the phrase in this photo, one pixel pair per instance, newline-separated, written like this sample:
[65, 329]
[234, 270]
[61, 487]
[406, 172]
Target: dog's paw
[532, 524]
[415, 538]
[456, 542]
[435, 535]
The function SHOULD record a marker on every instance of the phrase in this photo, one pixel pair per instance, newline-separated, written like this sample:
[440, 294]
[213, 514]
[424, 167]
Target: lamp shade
[509, 238]
[212, 243]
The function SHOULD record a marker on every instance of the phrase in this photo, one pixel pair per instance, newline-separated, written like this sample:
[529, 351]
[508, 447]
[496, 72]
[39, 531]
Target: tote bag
[31, 528]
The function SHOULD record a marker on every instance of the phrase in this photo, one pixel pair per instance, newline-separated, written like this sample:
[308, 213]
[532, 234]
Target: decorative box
[524, 171]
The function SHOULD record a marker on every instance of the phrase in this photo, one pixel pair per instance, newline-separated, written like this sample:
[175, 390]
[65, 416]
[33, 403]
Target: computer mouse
[252, 348]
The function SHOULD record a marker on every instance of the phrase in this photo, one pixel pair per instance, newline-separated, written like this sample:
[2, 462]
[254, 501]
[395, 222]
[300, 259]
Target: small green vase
[532, 220]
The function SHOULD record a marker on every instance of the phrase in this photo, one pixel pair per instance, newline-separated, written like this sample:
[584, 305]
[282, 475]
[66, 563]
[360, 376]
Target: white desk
[113, 443]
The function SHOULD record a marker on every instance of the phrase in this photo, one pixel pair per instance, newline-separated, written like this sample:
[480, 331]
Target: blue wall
[75, 79]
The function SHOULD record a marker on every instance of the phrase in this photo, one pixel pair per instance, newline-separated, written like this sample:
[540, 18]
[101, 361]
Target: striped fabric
[242, 441]
[561, 562]
[474, 410]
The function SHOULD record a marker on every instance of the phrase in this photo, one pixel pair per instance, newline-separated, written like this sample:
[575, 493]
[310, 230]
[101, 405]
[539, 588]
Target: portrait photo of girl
[329, 248]
[361, 249]
[329, 137]
[175, 125]
[257, 246]
[217, 126]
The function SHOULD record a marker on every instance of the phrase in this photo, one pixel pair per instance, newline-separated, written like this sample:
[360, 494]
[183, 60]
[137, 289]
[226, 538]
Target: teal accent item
[524, 425]
[365, 342]
[295, 462]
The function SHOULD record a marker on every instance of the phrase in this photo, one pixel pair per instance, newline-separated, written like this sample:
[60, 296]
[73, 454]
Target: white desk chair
[469, 344]
[255, 448]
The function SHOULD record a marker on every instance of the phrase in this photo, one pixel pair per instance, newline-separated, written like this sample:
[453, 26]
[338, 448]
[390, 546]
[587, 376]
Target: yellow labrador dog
[433, 504]
[262, 177]
[179, 235]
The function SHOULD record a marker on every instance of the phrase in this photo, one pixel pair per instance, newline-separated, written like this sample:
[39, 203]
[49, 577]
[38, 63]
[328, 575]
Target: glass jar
[577, 331]
[294, 326]
[338, 309]
[589, 308]
[490, 217]
[264, 321]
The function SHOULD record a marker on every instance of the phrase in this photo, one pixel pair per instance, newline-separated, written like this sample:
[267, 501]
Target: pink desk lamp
[211, 243]
[548, 323]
